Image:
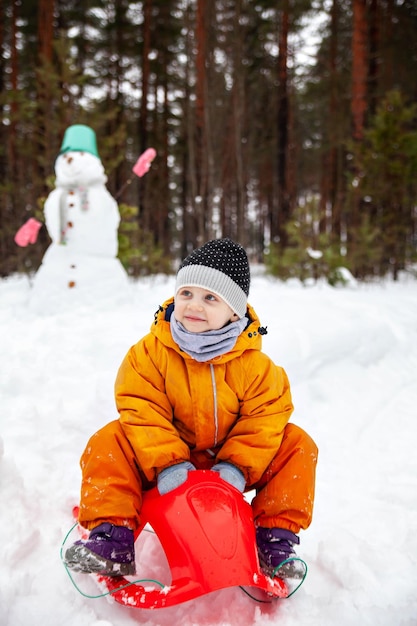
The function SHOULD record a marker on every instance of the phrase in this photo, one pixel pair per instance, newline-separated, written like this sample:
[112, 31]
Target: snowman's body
[82, 219]
[80, 212]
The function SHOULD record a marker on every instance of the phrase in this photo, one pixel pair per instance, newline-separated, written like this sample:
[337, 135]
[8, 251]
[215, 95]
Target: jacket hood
[249, 339]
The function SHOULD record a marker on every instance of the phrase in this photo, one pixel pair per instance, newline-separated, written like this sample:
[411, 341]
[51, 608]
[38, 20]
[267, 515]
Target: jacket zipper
[216, 420]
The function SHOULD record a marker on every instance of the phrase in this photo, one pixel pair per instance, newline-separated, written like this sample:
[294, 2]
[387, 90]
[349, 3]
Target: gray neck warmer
[207, 345]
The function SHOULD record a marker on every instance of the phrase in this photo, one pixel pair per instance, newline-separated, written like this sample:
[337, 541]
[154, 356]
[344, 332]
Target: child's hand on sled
[172, 477]
[231, 474]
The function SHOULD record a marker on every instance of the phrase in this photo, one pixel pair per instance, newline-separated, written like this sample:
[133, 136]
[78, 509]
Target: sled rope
[106, 593]
[290, 560]
[275, 573]
[246, 592]
[157, 582]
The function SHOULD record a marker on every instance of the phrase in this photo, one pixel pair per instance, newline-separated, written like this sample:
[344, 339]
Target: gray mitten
[231, 474]
[173, 476]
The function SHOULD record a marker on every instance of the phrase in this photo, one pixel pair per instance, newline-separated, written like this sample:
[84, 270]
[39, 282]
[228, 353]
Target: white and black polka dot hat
[220, 266]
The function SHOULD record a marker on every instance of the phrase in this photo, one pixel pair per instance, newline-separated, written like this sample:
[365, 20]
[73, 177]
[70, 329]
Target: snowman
[82, 219]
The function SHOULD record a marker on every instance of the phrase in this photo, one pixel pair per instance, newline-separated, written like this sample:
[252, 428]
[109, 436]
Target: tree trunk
[387, 68]
[374, 52]
[189, 179]
[201, 163]
[45, 95]
[279, 221]
[238, 115]
[358, 110]
[45, 29]
[143, 113]
[162, 201]
[331, 170]
[359, 68]
[13, 170]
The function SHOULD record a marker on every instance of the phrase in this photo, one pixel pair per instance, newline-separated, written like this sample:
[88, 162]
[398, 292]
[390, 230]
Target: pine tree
[387, 183]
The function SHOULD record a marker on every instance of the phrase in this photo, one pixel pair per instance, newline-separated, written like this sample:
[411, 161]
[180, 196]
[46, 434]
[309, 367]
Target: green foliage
[137, 251]
[387, 184]
[366, 249]
[310, 255]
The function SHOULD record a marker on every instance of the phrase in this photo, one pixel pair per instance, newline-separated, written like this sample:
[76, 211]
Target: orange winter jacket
[236, 404]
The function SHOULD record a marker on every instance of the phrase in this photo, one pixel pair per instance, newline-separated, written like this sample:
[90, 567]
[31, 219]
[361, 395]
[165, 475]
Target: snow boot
[109, 551]
[275, 546]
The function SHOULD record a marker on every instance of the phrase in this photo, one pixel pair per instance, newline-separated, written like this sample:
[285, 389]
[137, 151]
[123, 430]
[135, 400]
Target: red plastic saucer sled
[206, 529]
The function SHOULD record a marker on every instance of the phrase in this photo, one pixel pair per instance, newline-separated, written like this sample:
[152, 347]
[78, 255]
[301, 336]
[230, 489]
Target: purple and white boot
[109, 551]
[276, 553]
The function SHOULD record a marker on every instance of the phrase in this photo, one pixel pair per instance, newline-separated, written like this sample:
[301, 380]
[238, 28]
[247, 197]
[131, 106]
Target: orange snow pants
[112, 482]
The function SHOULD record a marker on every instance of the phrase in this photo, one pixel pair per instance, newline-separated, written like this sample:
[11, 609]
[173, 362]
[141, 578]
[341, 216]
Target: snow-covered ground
[351, 355]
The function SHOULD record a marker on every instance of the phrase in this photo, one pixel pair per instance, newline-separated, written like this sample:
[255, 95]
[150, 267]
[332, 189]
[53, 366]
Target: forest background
[305, 155]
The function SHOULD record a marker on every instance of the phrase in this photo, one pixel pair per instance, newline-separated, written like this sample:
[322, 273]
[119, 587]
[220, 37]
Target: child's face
[199, 310]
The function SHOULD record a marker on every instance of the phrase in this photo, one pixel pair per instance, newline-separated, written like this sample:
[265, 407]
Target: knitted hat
[220, 266]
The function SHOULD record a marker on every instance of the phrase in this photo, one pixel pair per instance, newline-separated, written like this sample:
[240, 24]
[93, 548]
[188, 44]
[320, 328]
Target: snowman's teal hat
[79, 138]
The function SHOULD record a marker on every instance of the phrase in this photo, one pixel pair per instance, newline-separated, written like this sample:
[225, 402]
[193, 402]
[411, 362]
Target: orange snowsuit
[232, 408]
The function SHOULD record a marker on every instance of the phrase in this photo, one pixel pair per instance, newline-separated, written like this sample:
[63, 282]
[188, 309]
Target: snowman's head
[79, 168]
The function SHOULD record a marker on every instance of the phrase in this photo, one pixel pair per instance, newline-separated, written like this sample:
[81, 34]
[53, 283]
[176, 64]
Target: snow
[351, 355]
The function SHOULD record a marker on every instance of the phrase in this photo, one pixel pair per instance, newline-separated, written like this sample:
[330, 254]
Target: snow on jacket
[237, 404]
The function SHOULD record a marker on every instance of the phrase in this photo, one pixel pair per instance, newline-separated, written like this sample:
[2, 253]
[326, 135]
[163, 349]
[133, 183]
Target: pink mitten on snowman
[143, 163]
[28, 233]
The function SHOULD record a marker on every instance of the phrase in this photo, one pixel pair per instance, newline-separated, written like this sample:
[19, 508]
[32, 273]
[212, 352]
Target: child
[197, 392]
